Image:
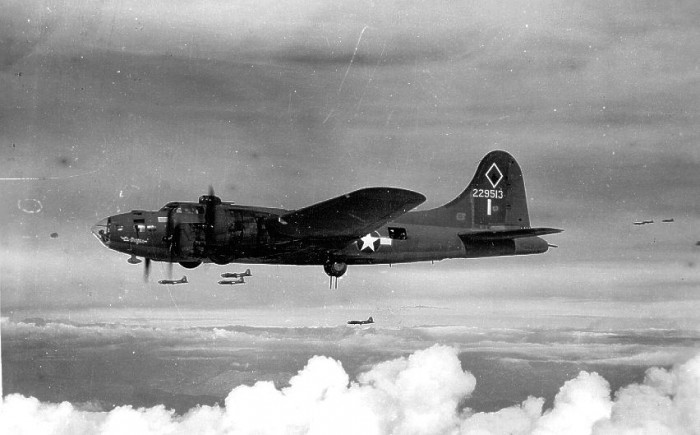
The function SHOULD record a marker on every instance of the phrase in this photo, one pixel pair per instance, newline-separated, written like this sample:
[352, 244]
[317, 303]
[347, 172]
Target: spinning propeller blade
[146, 269]
[210, 202]
[170, 237]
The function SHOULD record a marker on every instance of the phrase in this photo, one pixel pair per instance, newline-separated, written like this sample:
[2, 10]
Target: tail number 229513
[487, 193]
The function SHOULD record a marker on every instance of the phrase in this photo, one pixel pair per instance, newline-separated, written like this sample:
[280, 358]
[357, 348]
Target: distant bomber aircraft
[643, 222]
[232, 282]
[367, 226]
[236, 275]
[361, 322]
[182, 280]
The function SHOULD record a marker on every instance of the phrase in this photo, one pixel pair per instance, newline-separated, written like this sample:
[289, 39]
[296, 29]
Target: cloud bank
[420, 394]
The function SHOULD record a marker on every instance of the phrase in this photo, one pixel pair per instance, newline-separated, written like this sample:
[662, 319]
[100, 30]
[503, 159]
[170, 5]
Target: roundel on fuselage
[369, 243]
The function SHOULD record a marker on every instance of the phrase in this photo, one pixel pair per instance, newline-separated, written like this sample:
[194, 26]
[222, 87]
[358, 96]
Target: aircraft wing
[348, 216]
[493, 235]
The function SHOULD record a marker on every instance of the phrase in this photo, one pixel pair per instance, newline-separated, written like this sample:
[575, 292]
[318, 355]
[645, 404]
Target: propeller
[170, 236]
[146, 269]
[210, 201]
[172, 231]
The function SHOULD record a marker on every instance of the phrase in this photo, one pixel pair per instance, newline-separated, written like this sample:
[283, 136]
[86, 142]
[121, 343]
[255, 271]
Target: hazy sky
[127, 105]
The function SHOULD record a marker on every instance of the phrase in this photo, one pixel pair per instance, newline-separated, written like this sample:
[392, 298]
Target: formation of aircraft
[368, 226]
[232, 282]
[182, 280]
[651, 221]
[236, 274]
[361, 322]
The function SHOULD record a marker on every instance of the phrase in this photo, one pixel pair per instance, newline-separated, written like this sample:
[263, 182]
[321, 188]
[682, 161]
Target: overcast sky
[127, 105]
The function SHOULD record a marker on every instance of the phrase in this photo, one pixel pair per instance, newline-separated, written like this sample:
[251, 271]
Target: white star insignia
[368, 242]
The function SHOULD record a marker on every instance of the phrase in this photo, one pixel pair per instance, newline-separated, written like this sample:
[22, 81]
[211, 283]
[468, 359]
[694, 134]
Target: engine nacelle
[190, 264]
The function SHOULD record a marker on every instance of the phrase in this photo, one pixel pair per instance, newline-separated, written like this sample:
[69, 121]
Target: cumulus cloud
[667, 402]
[580, 403]
[419, 394]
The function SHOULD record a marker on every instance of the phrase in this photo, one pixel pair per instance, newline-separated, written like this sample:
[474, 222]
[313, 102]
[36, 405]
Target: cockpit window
[179, 207]
[184, 208]
[189, 209]
[169, 205]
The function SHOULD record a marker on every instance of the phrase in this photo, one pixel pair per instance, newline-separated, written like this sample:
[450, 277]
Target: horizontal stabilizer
[490, 236]
[351, 215]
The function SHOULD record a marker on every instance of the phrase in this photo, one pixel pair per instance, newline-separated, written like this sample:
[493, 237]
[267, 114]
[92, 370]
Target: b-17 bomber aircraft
[236, 274]
[232, 281]
[368, 226]
[182, 280]
[361, 322]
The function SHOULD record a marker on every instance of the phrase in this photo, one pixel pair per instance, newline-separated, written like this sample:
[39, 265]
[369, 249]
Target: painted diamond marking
[494, 175]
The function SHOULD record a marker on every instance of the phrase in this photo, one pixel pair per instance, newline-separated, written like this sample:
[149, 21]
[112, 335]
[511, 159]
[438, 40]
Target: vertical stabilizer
[495, 198]
[496, 195]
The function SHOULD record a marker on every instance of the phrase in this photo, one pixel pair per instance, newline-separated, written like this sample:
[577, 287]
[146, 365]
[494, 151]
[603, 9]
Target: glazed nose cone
[101, 231]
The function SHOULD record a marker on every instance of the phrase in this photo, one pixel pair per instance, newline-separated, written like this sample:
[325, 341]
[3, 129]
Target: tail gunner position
[367, 226]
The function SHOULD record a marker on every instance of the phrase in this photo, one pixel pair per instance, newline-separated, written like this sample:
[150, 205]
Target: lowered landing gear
[334, 269]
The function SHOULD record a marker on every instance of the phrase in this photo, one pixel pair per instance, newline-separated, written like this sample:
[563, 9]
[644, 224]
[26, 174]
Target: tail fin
[495, 198]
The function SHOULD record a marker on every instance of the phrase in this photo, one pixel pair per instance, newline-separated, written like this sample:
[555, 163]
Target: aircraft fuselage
[242, 235]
